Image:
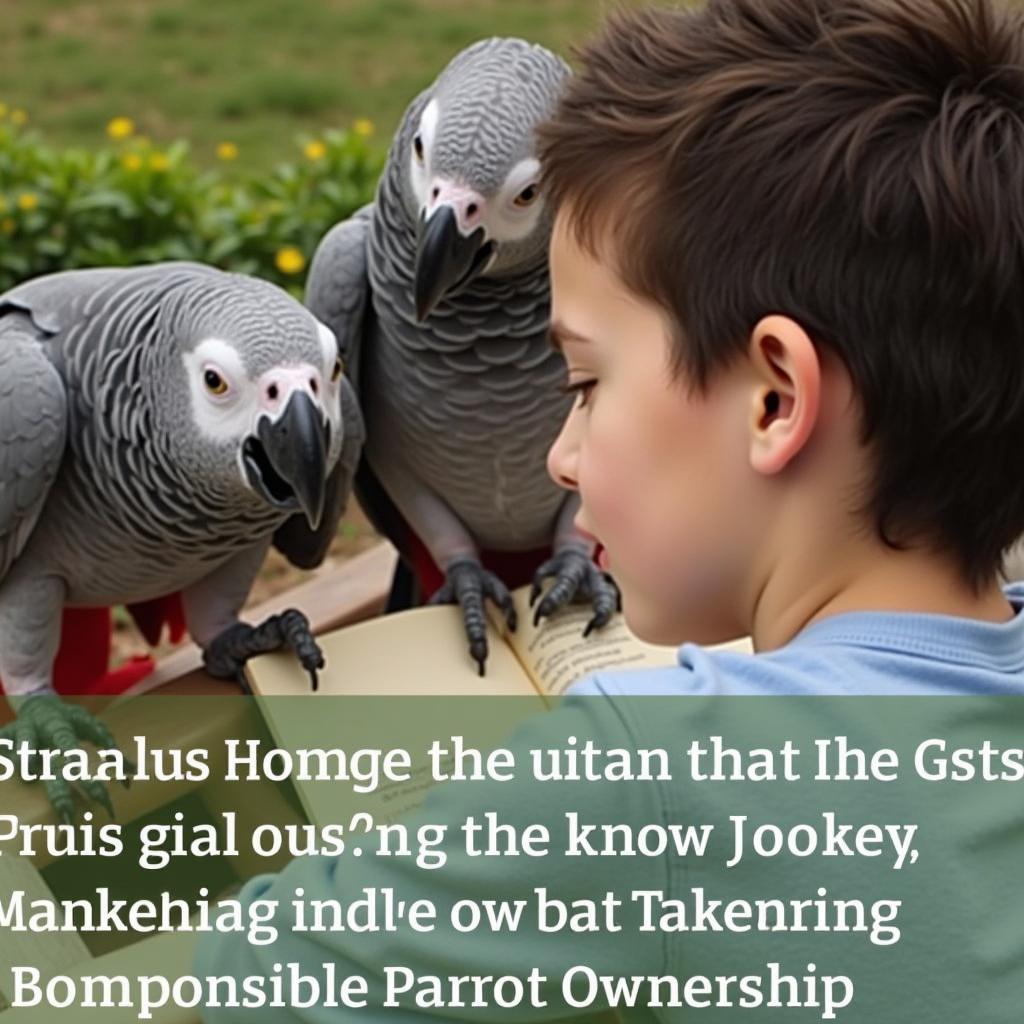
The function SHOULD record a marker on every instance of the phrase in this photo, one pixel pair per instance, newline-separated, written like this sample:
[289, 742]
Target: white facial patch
[329, 347]
[507, 221]
[419, 171]
[226, 417]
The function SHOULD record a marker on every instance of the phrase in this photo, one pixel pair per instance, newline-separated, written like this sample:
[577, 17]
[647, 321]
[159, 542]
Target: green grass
[258, 73]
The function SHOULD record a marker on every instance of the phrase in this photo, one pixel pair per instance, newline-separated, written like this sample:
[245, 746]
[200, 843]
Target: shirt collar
[998, 645]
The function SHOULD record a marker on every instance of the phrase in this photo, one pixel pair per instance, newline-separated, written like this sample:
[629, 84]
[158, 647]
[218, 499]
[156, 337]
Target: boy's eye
[581, 387]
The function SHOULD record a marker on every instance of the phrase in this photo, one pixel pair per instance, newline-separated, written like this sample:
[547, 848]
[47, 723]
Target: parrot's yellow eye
[527, 196]
[417, 148]
[337, 371]
[214, 382]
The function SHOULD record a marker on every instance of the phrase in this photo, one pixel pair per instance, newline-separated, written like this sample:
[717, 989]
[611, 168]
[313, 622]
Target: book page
[556, 654]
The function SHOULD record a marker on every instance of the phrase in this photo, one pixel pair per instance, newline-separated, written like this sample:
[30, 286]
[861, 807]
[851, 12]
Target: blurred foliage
[254, 72]
[131, 202]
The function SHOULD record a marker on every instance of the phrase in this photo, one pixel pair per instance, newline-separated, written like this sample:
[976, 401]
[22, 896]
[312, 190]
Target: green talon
[46, 722]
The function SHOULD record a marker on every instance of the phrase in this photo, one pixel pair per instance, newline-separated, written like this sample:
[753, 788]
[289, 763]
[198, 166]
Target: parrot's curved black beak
[287, 462]
[446, 259]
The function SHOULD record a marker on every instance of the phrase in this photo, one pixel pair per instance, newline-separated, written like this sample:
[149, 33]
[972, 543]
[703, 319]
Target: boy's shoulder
[852, 654]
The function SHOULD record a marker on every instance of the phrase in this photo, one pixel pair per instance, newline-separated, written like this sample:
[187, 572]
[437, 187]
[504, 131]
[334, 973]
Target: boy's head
[792, 232]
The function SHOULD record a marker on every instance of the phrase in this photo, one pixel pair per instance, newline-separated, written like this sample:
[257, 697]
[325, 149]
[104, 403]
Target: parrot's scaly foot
[46, 722]
[230, 650]
[466, 584]
[576, 574]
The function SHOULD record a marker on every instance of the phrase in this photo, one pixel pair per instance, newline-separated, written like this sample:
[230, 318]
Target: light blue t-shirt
[854, 654]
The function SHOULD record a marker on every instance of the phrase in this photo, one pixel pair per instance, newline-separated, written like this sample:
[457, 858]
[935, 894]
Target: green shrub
[132, 202]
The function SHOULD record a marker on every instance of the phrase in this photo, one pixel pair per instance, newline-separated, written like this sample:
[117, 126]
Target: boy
[786, 276]
[786, 270]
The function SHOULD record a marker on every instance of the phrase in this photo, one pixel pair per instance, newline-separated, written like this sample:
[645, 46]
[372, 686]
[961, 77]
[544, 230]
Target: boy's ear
[787, 393]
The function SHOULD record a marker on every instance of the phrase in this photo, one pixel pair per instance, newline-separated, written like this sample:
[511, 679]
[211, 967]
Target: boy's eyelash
[581, 387]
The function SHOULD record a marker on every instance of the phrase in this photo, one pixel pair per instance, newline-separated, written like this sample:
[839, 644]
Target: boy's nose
[562, 458]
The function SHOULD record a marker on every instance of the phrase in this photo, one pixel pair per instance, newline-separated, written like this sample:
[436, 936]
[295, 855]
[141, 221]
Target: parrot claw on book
[575, 574]
[228, 652]
[45, 722]
[466, 584]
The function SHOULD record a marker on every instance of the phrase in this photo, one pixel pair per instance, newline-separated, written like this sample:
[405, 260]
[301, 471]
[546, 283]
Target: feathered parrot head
[466, 154]
[252, 404]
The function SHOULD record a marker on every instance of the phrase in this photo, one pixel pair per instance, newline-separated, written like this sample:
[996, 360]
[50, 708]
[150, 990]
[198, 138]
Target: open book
[424, 651]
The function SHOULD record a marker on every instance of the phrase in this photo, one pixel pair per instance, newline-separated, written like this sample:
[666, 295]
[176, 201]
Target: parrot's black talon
[314, 681]
[600, 619]
[512, 619]
[576, 578]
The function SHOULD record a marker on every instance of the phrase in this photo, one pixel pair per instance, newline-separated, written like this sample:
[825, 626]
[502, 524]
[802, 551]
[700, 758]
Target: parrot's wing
[338, 286]
[337, 293]
[33, 427]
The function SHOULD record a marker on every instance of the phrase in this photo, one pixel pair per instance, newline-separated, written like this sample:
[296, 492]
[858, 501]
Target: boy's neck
[888, 581]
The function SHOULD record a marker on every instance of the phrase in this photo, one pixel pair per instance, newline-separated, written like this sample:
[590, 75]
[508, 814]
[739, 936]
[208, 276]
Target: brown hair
[857, 165]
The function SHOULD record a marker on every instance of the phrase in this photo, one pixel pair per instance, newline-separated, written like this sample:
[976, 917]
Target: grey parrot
[157, 426]
[439, 294]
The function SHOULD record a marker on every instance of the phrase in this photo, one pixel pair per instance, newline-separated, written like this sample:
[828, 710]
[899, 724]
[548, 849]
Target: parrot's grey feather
[33, 424]
[46, 322]
[336, 287]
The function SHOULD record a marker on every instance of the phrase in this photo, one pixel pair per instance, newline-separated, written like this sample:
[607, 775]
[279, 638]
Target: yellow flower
[120, 127]
[18, 117]
[363, 126]
[315, 150]
[131, 161]
[227, 151]
[28, 201]
[7, 225]
[289, 260]
[159, 162]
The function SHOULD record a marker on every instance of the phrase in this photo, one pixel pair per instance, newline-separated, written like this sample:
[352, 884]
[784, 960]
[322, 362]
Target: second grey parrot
[439, 293]
[157, 426]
